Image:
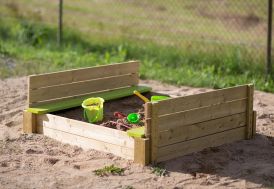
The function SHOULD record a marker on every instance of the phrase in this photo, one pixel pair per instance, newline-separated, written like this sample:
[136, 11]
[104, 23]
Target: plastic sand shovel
[93, 109]
[133, 118]
[145, 99]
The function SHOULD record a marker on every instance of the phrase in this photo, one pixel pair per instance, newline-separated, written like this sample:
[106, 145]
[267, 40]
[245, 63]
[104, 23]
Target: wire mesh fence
[179, 23]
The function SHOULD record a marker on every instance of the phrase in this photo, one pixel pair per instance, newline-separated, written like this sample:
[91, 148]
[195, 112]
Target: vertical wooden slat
[148, 119]
[141, 151]
[254, 123]
[29, 122]
[154, 132]
[249, 112]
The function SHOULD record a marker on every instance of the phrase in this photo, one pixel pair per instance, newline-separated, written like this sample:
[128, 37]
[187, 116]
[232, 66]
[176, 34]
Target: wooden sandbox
[173, 127]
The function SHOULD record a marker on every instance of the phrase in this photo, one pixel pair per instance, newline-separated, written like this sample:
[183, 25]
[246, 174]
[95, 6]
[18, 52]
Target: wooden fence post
[29, 122]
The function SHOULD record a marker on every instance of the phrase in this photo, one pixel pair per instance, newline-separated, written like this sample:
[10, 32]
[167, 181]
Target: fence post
[269, 39]
[60, 23]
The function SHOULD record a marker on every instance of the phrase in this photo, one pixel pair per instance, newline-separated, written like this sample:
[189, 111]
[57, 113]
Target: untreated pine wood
[183, 148]
[87, 143]
[76, 75]
[188, 132]
[29, 122]
[193, 116]
[81, 88]
[154, 132]
[148, 119]
[249, 111]
[141, 151]
[254, 123]
[202, 99]
[92, 131]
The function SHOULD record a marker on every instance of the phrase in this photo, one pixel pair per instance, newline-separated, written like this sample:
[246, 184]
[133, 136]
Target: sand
[35, 161]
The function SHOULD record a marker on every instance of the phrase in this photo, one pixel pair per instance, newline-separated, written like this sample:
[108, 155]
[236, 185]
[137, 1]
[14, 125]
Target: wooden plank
[87, 143]
[147, 119]
[82, 88]
[141, 151]
[183, 148]
[61, 104]
[188, 132]
[202, 99]
[87, 130]
[29, 122]
[76, 75]
[154, 132]
[193, 116]
[249, 111]
[254, 123]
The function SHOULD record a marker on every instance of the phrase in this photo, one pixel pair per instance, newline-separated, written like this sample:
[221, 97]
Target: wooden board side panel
[76, 75]
[87, 143]
[201, 100]
[201, 114]
[183, 148]
[87, 130]
[82, 88]
[188, 132]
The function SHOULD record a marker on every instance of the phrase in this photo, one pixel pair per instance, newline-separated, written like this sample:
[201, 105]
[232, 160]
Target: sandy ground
[35, 161]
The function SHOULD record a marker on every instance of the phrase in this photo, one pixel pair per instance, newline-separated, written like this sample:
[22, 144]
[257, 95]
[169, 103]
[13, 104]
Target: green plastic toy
[93, 109]
[133, 118]
[158, 98]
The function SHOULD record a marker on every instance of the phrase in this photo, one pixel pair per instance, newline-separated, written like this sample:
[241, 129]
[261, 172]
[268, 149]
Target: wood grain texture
[154, 132]
[82, 88]
[29, 122]
[87, 130]
[87, 143]
[141, 151]
[201, 100]
[180, 149]
[148, 119]
[249, 111]
[187, 132]
[76, 75]
[254, 123]
[193, 116]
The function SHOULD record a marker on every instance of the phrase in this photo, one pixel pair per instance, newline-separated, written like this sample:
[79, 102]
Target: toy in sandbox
[172, 127]
[133, 123]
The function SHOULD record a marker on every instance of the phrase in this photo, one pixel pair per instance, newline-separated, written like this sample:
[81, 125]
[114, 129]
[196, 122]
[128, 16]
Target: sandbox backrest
[51, 87]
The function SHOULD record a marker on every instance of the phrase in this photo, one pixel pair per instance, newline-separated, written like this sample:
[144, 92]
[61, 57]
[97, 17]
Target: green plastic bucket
[93, 109]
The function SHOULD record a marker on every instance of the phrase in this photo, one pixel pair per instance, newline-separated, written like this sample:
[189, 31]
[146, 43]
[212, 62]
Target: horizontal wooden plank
[92, 131]
[183, 148]
[193, 116]
[76, 75]
[187, 132]
[65, 103]
[86, 143]
[202, 99]
[82, 88]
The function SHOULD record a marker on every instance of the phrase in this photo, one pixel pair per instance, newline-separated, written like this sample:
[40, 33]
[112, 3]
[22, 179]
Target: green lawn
[177, 42]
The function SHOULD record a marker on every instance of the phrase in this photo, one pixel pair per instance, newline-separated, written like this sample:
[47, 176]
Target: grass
[27, 48]
[158, 171]
[105, 171]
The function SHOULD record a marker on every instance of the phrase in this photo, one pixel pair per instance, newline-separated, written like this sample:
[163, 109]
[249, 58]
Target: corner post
[141, 151]
[249, 111]
[29, 122]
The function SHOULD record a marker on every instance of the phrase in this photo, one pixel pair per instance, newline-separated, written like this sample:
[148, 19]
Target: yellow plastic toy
[145, 99]
[93, 109]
